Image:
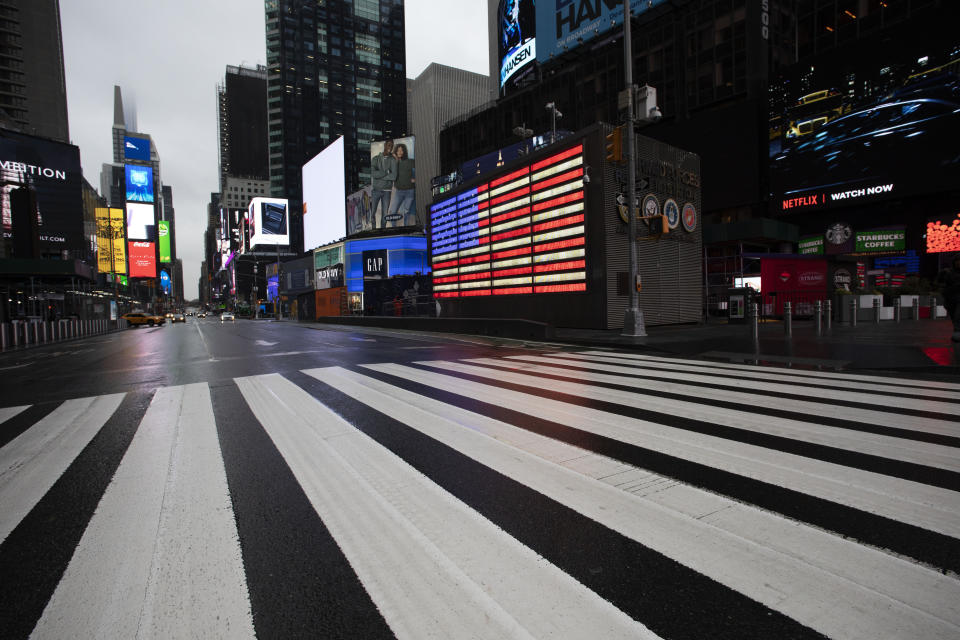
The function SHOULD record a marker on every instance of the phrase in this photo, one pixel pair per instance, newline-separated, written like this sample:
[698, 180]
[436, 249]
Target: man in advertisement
[383, 168]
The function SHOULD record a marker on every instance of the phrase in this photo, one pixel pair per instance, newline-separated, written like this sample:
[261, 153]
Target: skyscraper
[242, 124]
[332, 69]
[33, 89]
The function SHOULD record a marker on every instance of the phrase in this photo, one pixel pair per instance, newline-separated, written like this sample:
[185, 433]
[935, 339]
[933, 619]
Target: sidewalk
[922, 346]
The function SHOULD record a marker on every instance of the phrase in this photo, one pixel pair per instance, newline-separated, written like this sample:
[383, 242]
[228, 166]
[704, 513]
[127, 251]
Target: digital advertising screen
[855, 132]
[143, 261]
[104, 240]
[393, 188]
[943, 235]
[135, 148]
[520, 233]
[139, 183]
[269, 221]
[564, 25]
[52, 170]
[140, 221]
[163, 233]
[324, 194]
[165, 281]
[517, 22]
[119, 226]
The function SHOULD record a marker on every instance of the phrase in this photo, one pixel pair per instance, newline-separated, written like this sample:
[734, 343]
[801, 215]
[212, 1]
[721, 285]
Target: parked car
[227, 315]
[138, 318]
[178, 317]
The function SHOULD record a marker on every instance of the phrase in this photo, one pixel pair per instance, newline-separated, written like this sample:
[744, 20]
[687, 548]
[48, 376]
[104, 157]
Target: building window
[367, 48]
[369, 9]
[367, 91]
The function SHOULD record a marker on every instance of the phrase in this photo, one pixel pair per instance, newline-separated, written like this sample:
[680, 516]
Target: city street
[276, 479]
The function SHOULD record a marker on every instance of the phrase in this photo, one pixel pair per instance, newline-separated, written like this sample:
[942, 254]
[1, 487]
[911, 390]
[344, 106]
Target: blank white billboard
[324, 197]
[269, 221]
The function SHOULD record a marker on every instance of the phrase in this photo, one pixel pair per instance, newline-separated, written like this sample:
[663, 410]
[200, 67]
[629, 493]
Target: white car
[227, 315]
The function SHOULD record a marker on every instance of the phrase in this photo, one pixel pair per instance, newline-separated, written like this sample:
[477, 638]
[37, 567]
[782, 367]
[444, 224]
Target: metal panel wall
[669, 264]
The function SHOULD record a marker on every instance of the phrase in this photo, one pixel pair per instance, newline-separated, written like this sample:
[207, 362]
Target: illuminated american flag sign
[519, 233]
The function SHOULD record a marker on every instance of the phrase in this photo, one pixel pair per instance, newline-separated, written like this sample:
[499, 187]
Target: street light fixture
[633, 324]
[554, 114]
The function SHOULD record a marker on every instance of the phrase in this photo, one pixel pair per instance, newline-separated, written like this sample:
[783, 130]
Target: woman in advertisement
[403, 199]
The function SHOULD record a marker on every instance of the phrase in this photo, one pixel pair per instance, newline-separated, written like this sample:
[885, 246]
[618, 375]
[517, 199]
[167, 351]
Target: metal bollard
[933, 308]
[36, 332]
[752, 311]
[818, 317]
[876, 311]
[787, 319]
[828, 313]
[916, 307]
[853, 311]
[16, 332]
[896, 309]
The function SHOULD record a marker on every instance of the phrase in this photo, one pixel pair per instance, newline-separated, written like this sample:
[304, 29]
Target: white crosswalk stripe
[580, 436]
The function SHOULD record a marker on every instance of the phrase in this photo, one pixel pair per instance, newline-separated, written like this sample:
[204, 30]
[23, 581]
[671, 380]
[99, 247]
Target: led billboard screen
[118, 226]
[855, 132]
[140, 221]
[163, 232]
[136, 148]
[517, 48]
[165, 281]
[519, 233]
[392, 189]
[111, 250]
[269, 221]
[324, 194]
[564, 25]
[943, 236]
[143, 262]
[139, 183]
[52, 171]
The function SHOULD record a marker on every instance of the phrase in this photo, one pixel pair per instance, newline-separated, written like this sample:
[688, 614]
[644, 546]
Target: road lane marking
[8, 412]
[890, 447]
[167, 508]
[205, 347]
[33, 461]
[902, 500]
[434, 567]
[835, 586]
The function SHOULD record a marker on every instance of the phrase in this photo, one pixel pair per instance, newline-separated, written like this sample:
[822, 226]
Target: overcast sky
[168, 57]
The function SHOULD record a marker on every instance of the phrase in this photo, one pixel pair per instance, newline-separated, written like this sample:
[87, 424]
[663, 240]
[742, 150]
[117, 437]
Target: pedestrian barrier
[21, 333]
[787, 319]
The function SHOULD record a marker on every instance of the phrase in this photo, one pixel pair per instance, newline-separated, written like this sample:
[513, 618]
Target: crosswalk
[588, 494]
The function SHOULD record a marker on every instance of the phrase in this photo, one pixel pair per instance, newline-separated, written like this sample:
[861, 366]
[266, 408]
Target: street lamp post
[633, 324]
[554, 114]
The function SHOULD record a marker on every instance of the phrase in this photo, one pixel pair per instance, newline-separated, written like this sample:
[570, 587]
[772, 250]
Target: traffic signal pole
[633, 324]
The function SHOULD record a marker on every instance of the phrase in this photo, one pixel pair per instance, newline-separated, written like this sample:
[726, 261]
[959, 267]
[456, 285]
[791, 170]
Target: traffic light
[614, 145]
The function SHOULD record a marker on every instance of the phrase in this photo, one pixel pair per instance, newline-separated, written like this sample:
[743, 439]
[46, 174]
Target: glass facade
[333, 68]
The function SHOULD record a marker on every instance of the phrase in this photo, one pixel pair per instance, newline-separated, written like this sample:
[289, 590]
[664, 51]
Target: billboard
[143, 262]
[118, 226]
[517, 48]
[140, 221]
[139, 183]
[854, 132]
[135, 148]
[52, 171]
[520, 233]
[104, 240]
[163, 233]
[324, 193]
[566, 24]
[165, 281]
[269, 221]
[392, 189]
[359, 216]
[943, 237]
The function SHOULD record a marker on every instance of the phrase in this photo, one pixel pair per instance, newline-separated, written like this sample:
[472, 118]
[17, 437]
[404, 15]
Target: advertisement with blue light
[165, 281]
[564, 25]
[139, 183]
[136, 148]
[518, 30]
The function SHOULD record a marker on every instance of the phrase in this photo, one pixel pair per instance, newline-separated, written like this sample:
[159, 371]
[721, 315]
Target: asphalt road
[273, 479]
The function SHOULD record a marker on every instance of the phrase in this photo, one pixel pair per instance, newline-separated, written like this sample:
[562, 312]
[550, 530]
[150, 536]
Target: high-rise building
[33, 89]
[438, 94]
[333, 69]
[242, 124]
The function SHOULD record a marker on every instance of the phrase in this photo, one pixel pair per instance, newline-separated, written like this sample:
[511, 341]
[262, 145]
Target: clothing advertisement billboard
[135, 148]
[517, 47]
[51, 170]
[564, 25]
[163, 233]
[140, 221]
[269, 221]
[139, 183]
[324, 193]
[143, 262]
[393, 185]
